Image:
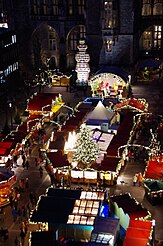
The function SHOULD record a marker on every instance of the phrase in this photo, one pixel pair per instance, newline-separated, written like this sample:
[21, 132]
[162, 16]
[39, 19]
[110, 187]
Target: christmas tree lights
[86, 149]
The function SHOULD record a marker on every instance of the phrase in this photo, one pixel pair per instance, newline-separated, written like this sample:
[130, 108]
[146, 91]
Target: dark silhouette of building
[117, 32]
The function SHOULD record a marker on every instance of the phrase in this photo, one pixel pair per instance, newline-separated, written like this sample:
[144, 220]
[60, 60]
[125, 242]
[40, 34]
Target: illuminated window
[158, 7]
[146, 8]
[108, 45]
[70, 7]
[74, 36]
[110, 14]
[13, 38]
[157, 37]
[151, 38]
[81, 7]
[34, 7]
[54, 7]
[44, 7]
[52, 40]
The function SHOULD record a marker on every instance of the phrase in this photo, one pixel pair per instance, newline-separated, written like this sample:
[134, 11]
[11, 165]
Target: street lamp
[10, 106]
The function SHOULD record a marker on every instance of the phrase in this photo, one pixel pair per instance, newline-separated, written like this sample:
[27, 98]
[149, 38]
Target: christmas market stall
[132, 211]
[102, 118]
[109, 170]
[154, 191]
[138, 105]
[139, 232]
[58, 167]
[80, 219]
[124, 134]
[153, 180]
[45, 104]
[105, 232]
[109, 81]
[7, 179]
[5, 150]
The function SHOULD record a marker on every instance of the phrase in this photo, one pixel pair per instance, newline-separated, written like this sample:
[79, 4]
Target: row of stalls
[151, 126]
[153, 180]
[109, 131]
[41, 108]
[90, 218]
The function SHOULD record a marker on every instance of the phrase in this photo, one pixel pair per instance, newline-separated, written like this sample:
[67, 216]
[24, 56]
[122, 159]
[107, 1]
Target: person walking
[16, 241]
[135, 179]
[27, 164]
[22, 236]
[140, 179]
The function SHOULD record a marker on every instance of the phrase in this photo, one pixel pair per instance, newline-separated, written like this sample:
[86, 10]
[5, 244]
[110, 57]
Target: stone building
[117, 32]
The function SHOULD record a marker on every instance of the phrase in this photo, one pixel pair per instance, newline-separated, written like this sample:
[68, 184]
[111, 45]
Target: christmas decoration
[86, 150]
[82, 66]
[154, 145]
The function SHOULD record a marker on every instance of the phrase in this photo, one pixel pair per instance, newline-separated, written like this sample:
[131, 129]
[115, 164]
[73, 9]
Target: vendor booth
[138, 233]
[75, 220]
[102, 118]
[109, 81]
[105, 232]
[7, 179]
[45, 104]
[153, 180]
[154, 191]
[138, 105]
[133, 210]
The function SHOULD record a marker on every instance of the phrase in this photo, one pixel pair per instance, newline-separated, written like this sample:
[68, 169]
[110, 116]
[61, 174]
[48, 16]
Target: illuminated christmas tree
[87, 150]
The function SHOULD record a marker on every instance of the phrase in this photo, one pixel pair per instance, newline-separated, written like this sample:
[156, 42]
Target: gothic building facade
[117, 32]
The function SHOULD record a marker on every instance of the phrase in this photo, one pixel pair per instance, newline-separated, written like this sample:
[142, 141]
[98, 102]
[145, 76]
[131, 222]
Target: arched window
[158, 7]
[73, 38]
[52, 39]
[54, 7]
[34, 7]
[151, 38]
[157, 37]
[110, 14]
[146, 8]
[81, 7]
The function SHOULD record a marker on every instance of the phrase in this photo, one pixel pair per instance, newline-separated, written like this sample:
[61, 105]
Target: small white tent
[101, 115]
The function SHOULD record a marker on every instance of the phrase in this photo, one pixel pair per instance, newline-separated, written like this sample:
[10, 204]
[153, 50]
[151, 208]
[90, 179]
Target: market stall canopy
[105, 231]
[58, 159]
[154, 170]
[4, 151]
[104, 224]
[133, 208]
[109, 164]
[114, 70]
[5, 175]
[99, 115]
[132, 104]
[123, 134]
[154, 185]
[38, 101]
[74, 121]
[56, 206]
[138, 233]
